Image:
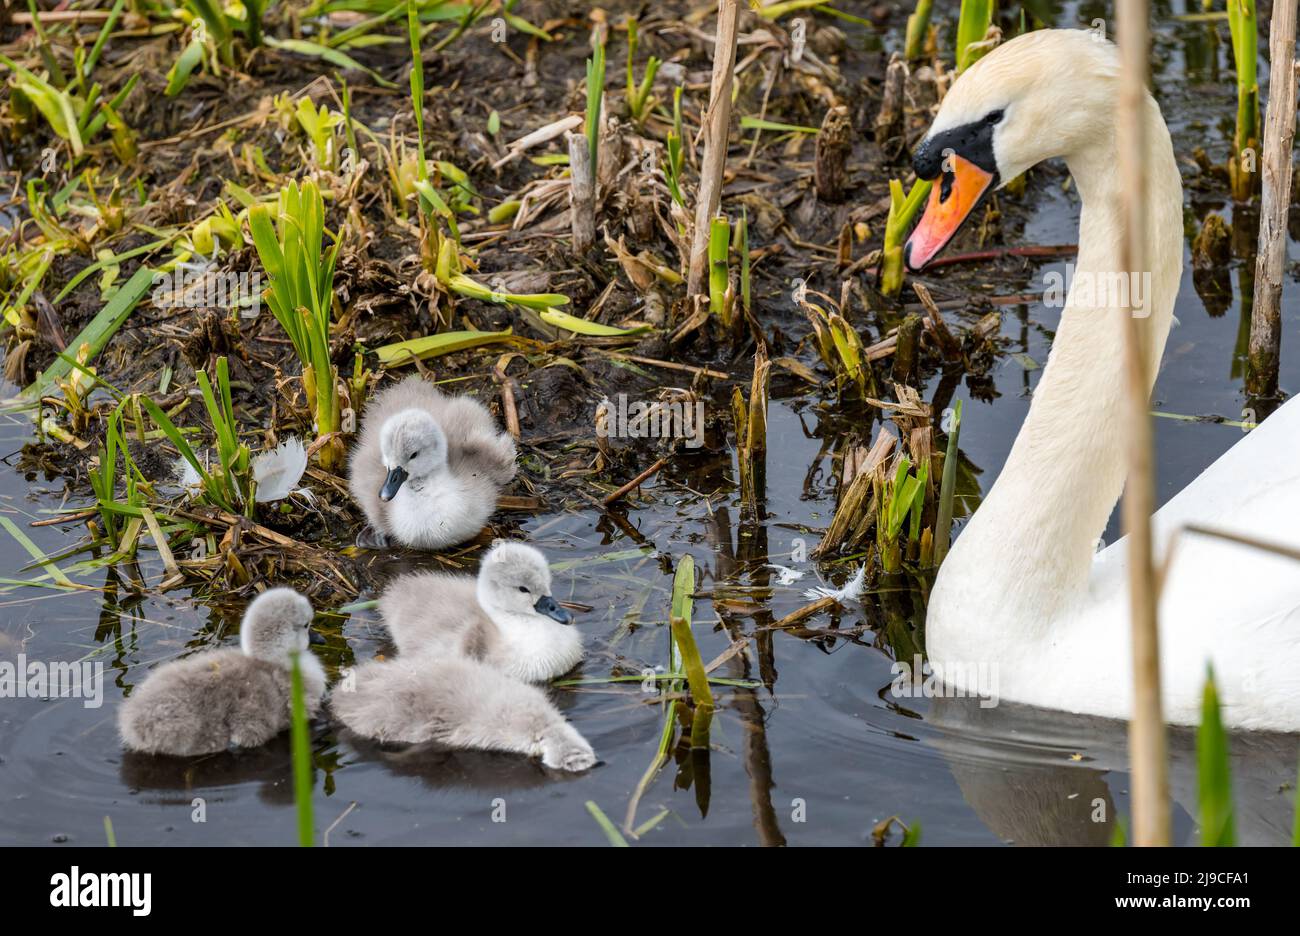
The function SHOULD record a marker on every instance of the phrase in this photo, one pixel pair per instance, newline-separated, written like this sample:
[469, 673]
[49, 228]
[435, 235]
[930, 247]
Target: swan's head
[515, 579]
[1043, 94]
[276, 625]
[412, 445]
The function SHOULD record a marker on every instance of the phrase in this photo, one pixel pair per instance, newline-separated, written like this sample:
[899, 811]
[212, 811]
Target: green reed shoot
[918, 24]
[676, 156]
[300, 740]
[103, 479]
[972, 25]
[450, 275]
[840, 348]
[232, 455]
[417, 83]
[75, 118]
[595, 91]
[720, 292]
[606, 825]
[228, 484]
[901, 212]
[1245, 141]
[742, 245]
[87, 67]
[639, 99]
[319, 125]
[688, 653]
[682, 610]
[301, 295]
[900, 499]
[1213, 771]
[468, 18]
[947, 489]
[216, 27]
[254, 9]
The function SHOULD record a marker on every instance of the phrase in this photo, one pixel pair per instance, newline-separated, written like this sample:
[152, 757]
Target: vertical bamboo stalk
[1275, 199]
[717, 123]
[1146, 727]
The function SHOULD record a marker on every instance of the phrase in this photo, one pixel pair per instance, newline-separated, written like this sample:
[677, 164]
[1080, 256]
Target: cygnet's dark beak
[396, 476]
[314, 638]
[547, 605]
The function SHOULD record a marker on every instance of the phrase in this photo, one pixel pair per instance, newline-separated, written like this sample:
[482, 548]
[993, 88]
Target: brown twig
[635, 482]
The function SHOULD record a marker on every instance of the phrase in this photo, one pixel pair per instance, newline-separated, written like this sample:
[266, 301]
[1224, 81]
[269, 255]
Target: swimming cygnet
[228, 698]
[427, 467]
[506, 618]
[461, 703]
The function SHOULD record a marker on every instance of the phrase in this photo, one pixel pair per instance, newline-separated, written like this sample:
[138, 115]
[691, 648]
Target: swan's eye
[413, 456]
[994, 117]
[523, 589]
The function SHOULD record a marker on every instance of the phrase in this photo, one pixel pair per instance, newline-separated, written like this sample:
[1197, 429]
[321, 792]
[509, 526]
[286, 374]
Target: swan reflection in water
[1041, 777]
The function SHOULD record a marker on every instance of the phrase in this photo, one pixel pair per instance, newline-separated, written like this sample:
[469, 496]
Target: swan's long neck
[1028, 548]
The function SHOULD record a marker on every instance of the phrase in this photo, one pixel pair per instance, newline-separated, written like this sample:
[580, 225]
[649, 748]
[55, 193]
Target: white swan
[228, 698]
[427, 467]
[1021, 587]
[507, 617]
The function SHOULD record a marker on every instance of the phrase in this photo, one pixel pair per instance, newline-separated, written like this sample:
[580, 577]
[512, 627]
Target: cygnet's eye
[413, 456]
[524, 589]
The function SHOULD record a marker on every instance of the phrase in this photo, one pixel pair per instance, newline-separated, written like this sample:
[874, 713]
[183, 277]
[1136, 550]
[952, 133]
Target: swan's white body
[1022, 587]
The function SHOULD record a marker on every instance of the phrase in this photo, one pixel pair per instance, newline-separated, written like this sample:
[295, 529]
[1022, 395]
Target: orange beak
[959, 188]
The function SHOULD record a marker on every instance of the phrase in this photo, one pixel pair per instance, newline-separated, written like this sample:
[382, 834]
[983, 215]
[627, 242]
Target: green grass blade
[406, 352]
[35, 551]
[1213, 772]
[682, 607]
[611, 831]
[98, 331]
[301, 740]
[947, 489]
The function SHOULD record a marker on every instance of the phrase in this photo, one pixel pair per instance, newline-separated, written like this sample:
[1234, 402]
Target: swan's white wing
[1225, 603]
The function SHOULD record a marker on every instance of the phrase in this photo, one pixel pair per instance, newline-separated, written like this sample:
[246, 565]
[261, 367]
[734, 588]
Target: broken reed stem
[834, 143]
[1275, 200]
[889, 119]
[1147, 754]
[717, 124]
[582, 193]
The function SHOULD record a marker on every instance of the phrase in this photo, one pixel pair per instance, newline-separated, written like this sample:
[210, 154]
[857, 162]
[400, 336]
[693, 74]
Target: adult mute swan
[1021, 588]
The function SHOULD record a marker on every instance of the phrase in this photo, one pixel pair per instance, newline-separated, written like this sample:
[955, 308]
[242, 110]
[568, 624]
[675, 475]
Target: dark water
[819, 754]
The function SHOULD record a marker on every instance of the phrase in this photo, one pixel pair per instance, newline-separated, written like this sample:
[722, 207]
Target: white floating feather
[278, 471]
[786, 575]
[852, 590]
[187, 476]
